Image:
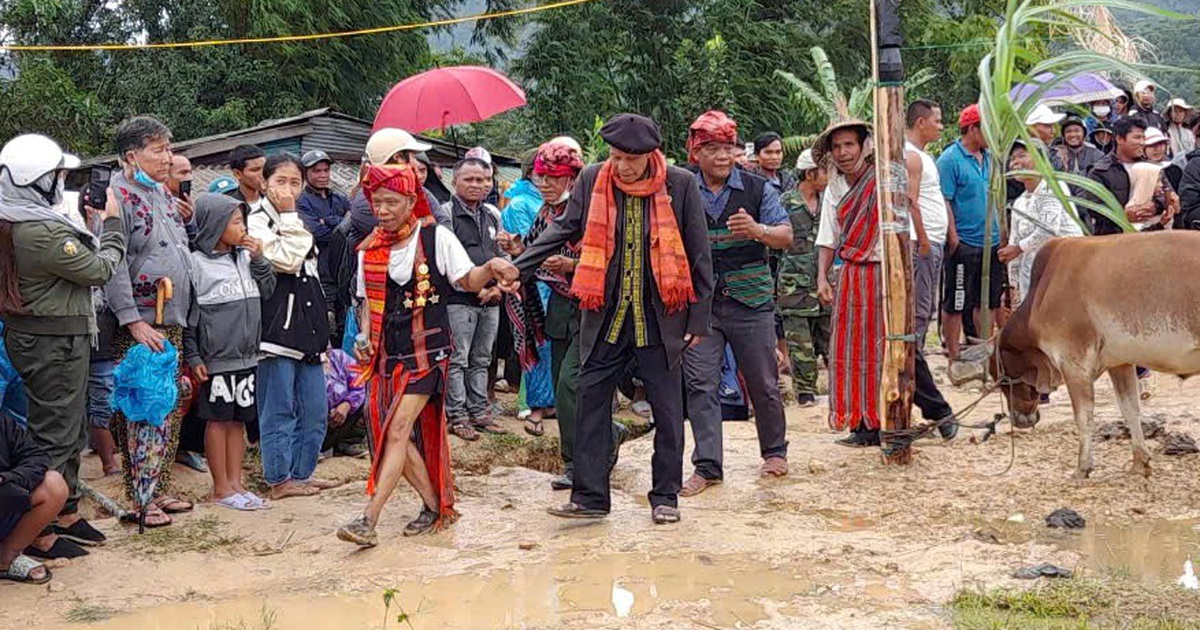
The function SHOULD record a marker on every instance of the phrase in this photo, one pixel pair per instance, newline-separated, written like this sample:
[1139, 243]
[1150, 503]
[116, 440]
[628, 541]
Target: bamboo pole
[899, 321]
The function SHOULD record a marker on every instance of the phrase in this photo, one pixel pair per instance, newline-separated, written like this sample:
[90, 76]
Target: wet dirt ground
[843, 542]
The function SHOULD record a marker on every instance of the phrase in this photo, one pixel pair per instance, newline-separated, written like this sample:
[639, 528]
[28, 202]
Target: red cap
[969, 117]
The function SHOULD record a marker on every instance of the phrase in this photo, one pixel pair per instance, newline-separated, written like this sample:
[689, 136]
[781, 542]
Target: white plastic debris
[1189, 580]
[622, 600]
[1016, 518]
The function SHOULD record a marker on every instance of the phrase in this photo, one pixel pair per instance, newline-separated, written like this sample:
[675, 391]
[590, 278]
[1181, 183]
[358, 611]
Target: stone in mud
[816, 467]
[1065, 518]
[527, 545]
[1179, 444]
[1041, 570]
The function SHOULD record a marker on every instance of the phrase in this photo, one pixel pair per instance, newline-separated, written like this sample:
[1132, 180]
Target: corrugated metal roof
[341, 135]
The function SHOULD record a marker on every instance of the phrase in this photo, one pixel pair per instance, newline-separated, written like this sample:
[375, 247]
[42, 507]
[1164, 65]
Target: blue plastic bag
[12, 389]
[351, 334]
[145, 384]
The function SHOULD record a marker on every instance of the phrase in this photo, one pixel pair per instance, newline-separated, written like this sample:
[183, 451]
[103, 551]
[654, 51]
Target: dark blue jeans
[292, 416]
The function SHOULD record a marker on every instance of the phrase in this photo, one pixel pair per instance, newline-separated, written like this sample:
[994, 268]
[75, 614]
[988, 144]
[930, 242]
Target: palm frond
[795, 145]
[826, 75]
[807, 96]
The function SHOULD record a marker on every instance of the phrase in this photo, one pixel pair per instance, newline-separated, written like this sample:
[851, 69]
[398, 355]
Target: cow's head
[1023, 375]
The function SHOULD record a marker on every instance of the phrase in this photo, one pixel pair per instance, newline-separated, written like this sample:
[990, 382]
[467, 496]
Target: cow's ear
[1041, 374]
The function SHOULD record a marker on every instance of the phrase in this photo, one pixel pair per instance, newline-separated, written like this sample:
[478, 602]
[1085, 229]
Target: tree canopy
[670, 59]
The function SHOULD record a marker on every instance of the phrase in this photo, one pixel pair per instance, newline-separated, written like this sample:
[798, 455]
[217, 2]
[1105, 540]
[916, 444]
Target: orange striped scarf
[377, 252]
[668, 260]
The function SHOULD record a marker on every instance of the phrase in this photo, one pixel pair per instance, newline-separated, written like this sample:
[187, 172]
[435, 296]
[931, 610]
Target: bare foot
[324, 484]
[292, 489]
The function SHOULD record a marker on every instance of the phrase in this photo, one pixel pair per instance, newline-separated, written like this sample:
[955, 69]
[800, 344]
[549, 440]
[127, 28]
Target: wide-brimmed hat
[821, 148]
[1178, 103]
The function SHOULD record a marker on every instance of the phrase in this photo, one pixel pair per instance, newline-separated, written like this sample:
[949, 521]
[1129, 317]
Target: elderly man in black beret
[644, 281]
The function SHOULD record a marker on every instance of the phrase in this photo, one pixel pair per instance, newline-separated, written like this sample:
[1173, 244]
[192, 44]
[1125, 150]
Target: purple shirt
[339, 377]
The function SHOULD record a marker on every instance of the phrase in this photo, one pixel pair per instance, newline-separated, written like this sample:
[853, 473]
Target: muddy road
[843, 542]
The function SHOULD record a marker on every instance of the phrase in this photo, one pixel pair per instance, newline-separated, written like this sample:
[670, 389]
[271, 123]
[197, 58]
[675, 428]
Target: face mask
[563, 199]
[1102, 110]
[51, 186]
[142, 178]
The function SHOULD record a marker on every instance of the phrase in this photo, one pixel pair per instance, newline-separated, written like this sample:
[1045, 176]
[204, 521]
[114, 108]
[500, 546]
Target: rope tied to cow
[894, 441]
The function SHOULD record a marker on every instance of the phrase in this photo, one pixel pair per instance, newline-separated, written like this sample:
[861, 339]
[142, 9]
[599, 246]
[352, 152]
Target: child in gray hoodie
[230, 277]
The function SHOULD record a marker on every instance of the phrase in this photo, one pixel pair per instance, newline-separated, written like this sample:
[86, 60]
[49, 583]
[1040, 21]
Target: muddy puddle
[1152, 551]
[722, 591]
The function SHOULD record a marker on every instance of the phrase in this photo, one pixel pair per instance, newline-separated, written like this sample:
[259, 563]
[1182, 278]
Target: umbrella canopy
[447, 96]
[1085, 88]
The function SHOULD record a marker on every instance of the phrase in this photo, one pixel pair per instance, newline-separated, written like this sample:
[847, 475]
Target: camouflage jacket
[797, 293]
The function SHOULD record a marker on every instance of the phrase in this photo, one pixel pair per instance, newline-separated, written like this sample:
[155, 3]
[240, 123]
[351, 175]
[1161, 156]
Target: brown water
[722, 591]
[1152, 550]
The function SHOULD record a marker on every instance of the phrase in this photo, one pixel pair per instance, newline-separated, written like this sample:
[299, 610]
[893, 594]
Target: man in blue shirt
[964, 169]
[745, 218]
[322, 210]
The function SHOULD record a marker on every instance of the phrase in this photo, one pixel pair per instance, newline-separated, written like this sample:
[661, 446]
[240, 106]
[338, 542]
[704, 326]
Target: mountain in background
[1175, 44]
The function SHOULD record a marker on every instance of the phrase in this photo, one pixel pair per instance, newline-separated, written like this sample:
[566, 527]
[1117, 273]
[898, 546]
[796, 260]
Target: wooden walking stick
[899, 321]
[165, 290]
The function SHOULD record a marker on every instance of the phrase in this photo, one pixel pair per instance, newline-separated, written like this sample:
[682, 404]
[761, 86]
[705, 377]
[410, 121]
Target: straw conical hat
[822, 146]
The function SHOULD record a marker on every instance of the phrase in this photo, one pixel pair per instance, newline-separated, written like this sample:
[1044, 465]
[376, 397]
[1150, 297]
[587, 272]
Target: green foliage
[81, 97]
[672, 60]
[1011, 60]
[45, 99]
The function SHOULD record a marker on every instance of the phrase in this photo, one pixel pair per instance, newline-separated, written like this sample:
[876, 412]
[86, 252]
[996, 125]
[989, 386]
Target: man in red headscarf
[555, 168]
[644, 284]
[745, 220]
[407, 268]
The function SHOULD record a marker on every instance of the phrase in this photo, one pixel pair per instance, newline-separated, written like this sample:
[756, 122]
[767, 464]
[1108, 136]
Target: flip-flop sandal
[237, 502]
[536, 428]
[464, 431]
[574, 510]
[665, 515]
[62, 549]
[131, 518]
[171, 505]
[258, 502]
[21, 567]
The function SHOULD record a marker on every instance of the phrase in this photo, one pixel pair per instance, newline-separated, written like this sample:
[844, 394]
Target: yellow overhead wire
[294, 38]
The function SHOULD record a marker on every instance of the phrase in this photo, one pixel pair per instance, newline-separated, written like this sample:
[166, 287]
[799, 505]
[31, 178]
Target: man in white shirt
[928, 231]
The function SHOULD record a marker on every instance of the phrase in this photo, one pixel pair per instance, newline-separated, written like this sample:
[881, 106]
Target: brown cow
[1103, 304]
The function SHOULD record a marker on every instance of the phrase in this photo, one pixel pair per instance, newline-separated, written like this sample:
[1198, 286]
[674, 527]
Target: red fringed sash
[386, 390]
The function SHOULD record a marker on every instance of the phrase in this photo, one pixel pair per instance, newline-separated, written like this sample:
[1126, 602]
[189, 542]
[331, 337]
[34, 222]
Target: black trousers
[598, 380]
[926, 394]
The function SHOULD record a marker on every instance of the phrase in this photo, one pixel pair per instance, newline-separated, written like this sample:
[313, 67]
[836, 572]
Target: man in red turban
[745, 221]
[408, 266]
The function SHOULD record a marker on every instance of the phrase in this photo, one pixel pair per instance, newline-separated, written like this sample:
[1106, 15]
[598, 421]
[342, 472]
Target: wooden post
[899, 321]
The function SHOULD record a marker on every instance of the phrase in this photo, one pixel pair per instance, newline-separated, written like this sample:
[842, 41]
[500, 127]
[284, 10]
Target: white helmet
[31, 156]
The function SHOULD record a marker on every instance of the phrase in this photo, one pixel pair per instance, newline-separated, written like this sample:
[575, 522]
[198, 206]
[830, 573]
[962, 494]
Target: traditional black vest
[416, 326]
[740, 265]
[478, 237]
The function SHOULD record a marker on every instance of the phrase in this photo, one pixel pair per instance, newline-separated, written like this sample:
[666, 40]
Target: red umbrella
[443, 97]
